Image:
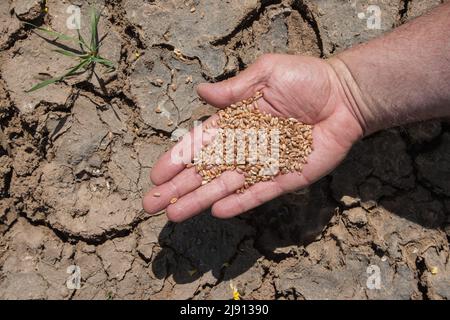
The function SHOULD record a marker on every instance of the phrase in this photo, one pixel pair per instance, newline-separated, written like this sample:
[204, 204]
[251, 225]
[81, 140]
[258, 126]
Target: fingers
[258, 194]
[254, 196]
[242, 86]
[159, 197]
[203, 197]
[174, 161]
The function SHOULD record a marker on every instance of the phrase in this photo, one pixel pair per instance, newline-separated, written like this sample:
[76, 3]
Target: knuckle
[174, 188]
[224, 187]
[216, 211]
[174, 214]
[266, 59]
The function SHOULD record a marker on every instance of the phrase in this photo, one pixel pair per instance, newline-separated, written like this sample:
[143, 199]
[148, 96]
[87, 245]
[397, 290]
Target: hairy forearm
[401, 77]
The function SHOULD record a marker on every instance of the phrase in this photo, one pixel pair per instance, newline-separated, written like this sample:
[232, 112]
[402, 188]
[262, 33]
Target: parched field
[75, 159]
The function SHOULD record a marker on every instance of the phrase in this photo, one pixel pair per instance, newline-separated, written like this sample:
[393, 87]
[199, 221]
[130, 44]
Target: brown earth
[75, 159]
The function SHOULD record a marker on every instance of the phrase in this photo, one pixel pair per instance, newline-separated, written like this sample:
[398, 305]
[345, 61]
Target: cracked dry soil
[75, 160]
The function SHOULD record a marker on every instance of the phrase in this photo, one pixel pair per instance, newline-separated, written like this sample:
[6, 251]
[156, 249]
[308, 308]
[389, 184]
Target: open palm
[304, 88]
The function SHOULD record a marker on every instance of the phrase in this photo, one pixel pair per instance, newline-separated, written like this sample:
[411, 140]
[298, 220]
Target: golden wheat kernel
[173, 200]
[293, 144]
[158, 109]
[157, 194]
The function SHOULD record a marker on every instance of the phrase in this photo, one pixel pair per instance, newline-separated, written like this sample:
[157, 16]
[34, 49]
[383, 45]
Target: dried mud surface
[75, 159]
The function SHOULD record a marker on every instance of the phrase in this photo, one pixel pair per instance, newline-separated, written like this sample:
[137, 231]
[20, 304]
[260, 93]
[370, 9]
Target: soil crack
[246, 22]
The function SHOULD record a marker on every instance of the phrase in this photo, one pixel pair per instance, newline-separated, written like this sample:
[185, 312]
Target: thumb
[242, 86]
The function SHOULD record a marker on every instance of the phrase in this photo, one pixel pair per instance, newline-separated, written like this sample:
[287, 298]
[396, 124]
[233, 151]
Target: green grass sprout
[87, 55]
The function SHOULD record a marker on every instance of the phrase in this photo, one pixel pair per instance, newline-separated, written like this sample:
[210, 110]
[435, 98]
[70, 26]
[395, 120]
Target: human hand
[304, 88]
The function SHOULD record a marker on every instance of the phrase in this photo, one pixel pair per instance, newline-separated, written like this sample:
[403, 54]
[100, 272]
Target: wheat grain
[293, 144]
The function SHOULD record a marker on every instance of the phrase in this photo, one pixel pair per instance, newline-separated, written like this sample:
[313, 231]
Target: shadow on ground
[379, 171]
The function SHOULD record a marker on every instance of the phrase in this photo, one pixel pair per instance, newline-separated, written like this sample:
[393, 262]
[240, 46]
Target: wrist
[356, 102]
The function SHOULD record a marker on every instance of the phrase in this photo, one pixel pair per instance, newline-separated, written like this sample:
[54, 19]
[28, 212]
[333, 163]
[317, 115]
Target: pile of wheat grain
[282, 145]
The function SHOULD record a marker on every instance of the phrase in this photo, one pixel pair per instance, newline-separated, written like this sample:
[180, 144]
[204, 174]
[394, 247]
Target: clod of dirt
[93, 275]
[7, 214]
[343, 24]
[149, 231]
[5, 171]
[34, 266]
[84, 197]
[148, 153]
[171, 24]
[417, 8]
[5, 109]
[349, 201]
[25, 160]
[124, 167]
[265, 37]
[116, 257]
[436, 275]
[28, 10]
[152, 87]
[356, 216]
[389, 243]
[84, 138]
[280, 29]
[9, 25]
[28, 63]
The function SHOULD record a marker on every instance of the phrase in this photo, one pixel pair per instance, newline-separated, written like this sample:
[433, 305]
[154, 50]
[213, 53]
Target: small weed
[109, 296]
[88, 54]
